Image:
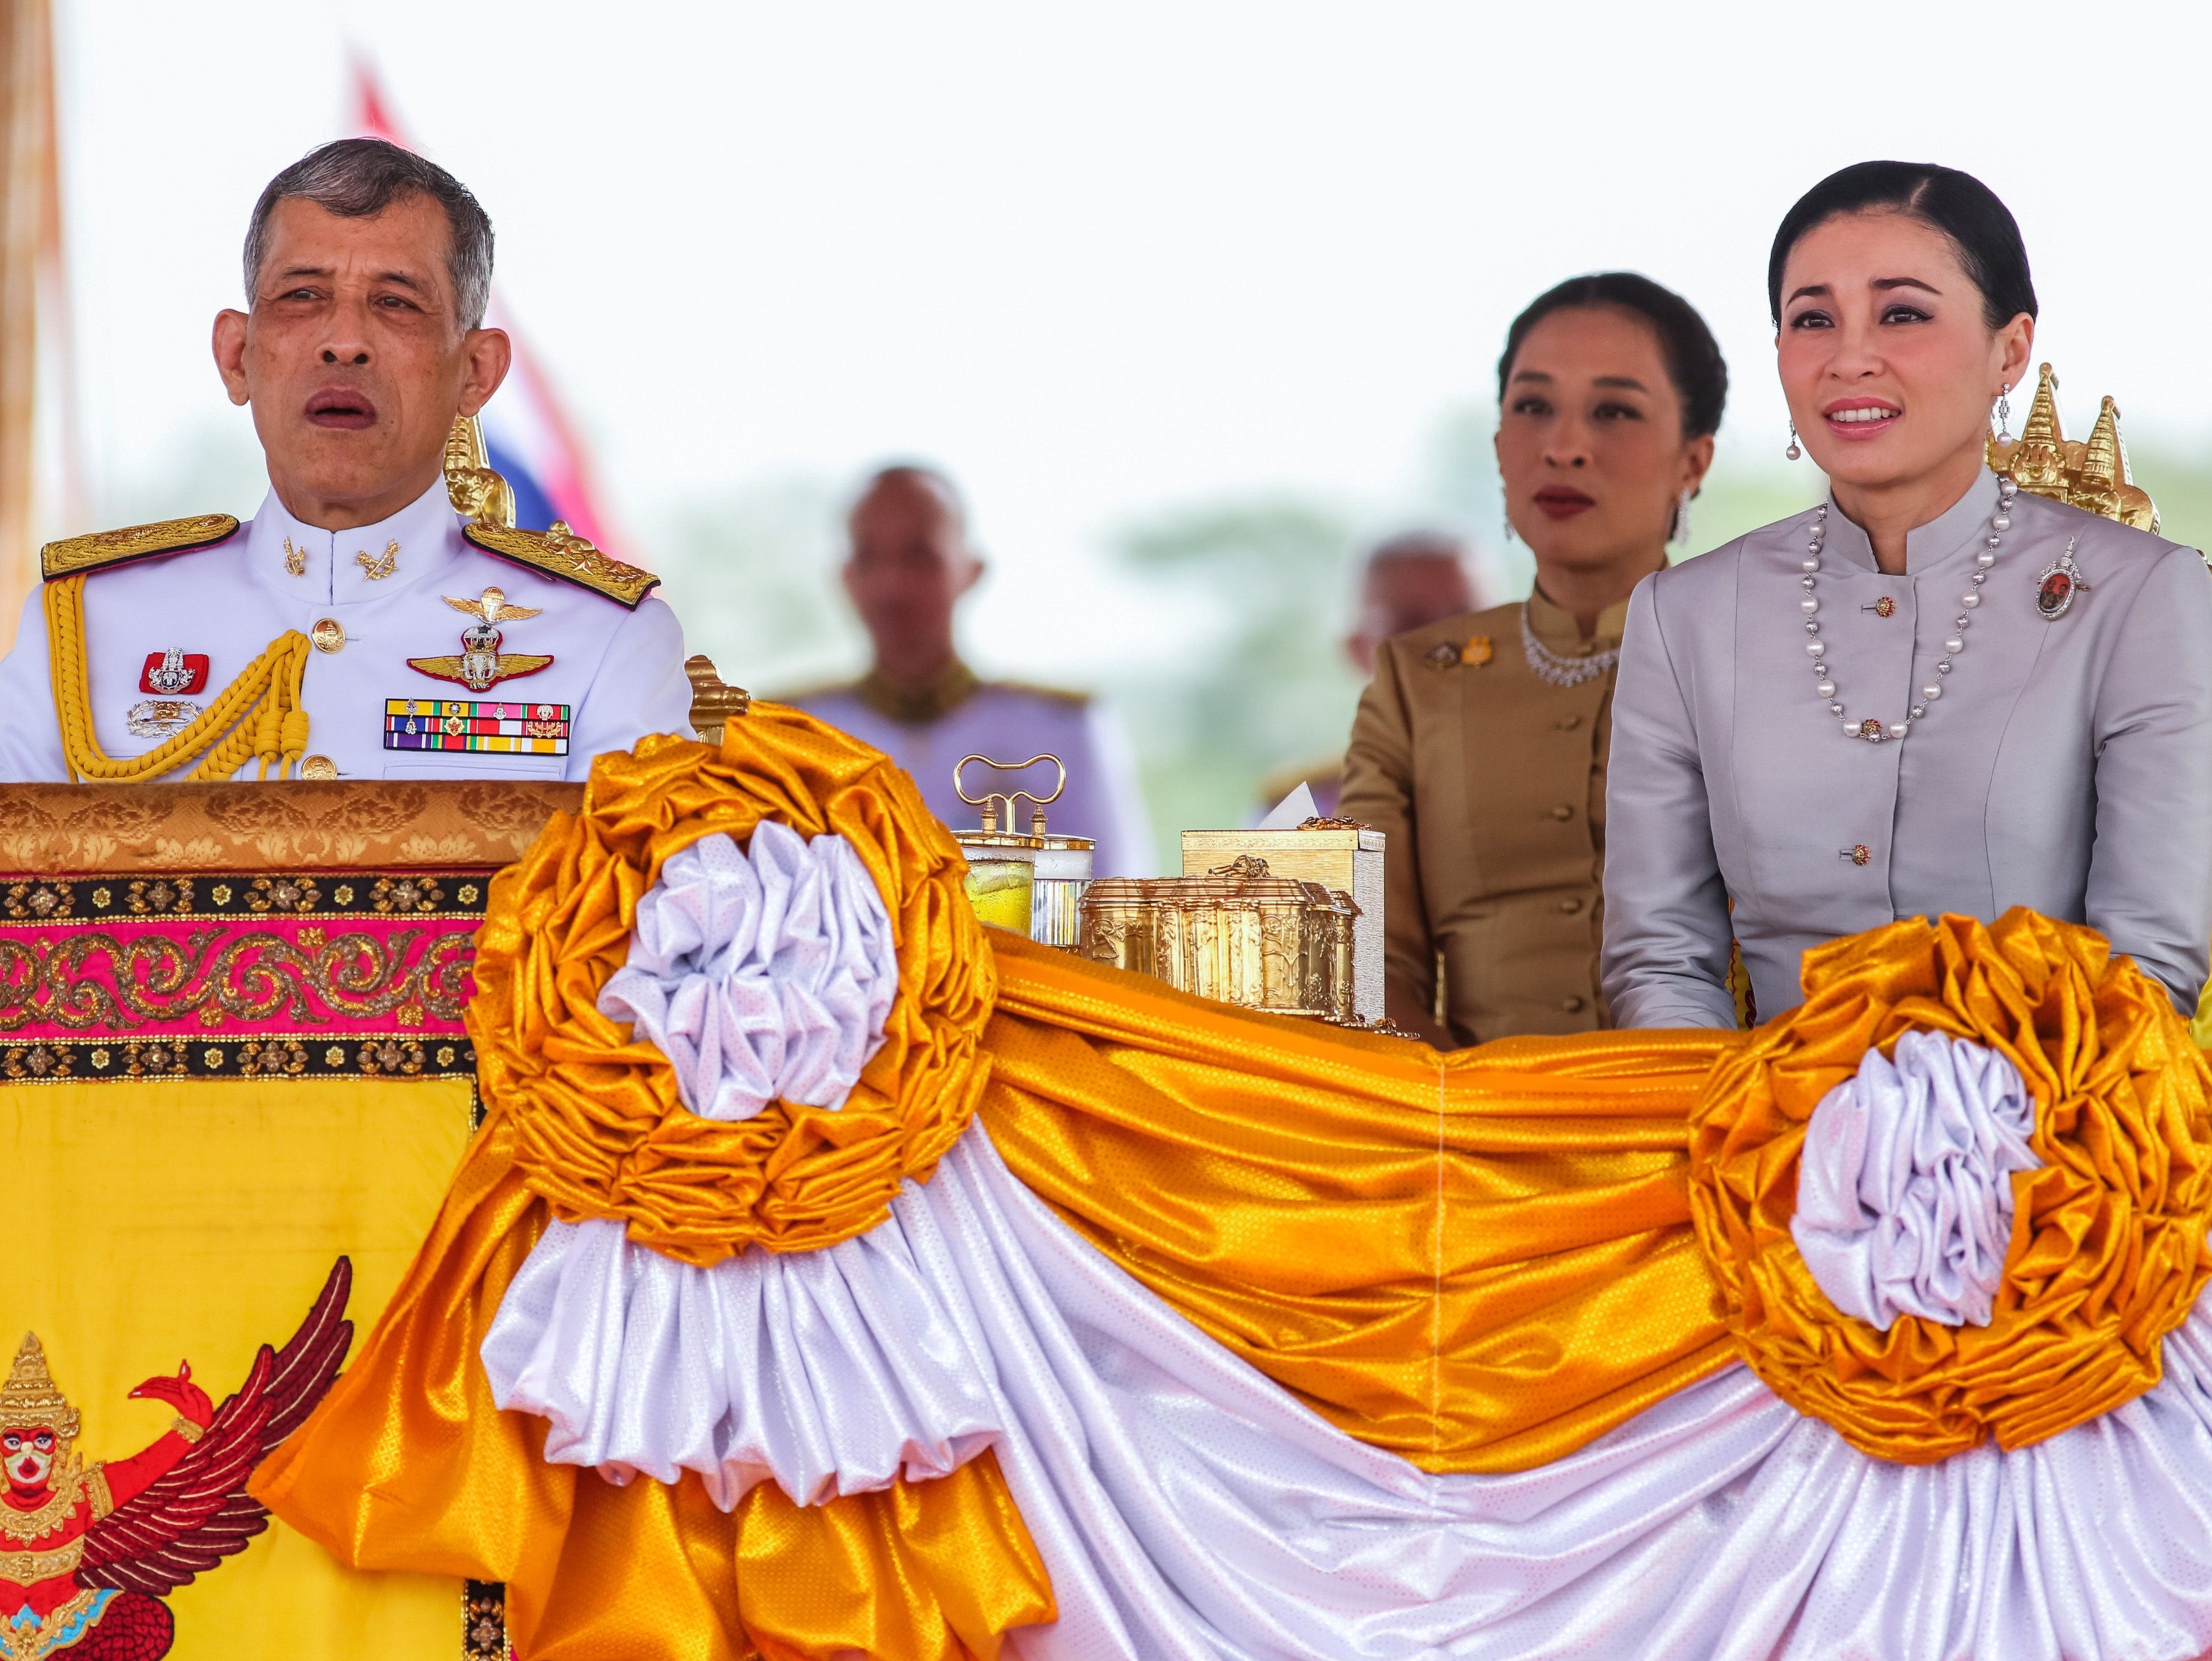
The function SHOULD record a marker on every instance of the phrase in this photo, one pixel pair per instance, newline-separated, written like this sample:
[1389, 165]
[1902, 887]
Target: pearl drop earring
[2004, 414]
[1793, 451]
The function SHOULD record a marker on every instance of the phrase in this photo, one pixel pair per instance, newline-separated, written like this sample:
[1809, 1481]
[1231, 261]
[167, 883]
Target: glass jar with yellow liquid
[1001, 875]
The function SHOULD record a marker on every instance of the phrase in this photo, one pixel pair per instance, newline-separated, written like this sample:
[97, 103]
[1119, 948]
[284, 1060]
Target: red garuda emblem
[88, 1551]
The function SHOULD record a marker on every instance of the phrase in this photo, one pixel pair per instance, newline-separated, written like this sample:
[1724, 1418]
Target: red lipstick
[1562, 501]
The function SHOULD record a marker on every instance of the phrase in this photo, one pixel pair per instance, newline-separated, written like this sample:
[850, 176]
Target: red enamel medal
[176, 673]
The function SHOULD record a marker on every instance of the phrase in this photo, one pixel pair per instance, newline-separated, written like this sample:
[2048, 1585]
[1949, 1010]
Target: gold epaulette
[1073, 699]
[560, 552]
[74, 555]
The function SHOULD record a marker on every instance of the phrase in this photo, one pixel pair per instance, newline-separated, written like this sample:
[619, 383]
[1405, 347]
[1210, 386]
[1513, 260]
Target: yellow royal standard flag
[233, 1088]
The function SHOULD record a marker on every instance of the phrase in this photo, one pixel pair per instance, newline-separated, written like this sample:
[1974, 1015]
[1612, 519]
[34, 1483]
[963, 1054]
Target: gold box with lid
[1342, 856]
[1240, 934]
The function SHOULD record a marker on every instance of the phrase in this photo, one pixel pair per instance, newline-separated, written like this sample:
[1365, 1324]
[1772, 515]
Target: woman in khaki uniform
[1480, 744]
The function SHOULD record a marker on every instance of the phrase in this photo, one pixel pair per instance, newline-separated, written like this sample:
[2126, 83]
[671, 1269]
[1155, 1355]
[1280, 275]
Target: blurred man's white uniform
[928, 735]
[164, 634]
[909, 563]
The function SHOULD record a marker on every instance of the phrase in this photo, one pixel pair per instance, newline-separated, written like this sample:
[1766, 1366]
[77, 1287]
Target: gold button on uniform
[328, 633]
[317, 767]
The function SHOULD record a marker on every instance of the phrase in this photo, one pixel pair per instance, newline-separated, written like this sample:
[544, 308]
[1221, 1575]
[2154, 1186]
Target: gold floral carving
[483, 1622]
[197, 828]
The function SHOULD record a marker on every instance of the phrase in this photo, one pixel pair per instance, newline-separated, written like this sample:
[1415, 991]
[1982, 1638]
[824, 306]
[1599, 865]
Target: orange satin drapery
[2108, 1250]
[1480, 1261]
[409, 1463]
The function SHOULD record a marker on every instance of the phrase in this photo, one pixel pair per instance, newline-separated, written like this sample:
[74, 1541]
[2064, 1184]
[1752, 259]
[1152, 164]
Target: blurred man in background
[1407, 581]
[908, 564]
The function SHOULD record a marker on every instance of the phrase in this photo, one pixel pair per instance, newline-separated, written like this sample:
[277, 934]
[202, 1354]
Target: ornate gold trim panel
[389, 825]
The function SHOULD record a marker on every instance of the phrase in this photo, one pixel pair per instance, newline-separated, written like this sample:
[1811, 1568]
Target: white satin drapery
[1190, 1509]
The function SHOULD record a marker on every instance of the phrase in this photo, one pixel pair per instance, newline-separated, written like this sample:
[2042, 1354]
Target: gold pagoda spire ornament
[2093, 476]
[31, 1398]
[477, 491]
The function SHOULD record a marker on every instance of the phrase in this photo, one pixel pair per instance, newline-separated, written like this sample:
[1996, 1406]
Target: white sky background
[1103, 261]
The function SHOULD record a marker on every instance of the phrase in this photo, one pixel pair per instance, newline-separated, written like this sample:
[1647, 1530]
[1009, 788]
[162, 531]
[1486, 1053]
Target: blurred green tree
[1266, 684]
[755, 574]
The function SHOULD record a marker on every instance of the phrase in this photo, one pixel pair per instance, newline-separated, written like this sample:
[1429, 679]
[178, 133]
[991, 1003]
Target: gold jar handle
[989, 800]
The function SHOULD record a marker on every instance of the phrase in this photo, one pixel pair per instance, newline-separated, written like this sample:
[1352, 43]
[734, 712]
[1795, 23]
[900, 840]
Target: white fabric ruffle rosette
[760, 976]
[1905, 1198]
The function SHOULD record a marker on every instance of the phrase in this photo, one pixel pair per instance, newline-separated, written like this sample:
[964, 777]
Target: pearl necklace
[1871, 730]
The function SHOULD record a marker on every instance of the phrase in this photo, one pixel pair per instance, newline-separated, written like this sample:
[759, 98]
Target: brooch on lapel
[2060, 581]
[1445, 656]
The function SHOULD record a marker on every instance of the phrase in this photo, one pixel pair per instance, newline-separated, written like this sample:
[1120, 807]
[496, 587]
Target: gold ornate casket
[1238, 933]
[1342, 856]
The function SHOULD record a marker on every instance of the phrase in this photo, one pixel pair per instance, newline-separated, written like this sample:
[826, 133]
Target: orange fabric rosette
[2108, 1248]
[410, 1464]
[598, 1128]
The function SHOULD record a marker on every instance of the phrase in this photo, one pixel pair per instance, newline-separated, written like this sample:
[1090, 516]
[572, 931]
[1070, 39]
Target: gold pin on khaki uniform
[1479, 750]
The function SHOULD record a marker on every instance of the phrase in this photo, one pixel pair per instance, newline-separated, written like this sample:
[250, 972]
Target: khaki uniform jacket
[1490, 783]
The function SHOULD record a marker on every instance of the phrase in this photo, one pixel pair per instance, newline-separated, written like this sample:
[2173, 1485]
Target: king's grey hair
[356, 177]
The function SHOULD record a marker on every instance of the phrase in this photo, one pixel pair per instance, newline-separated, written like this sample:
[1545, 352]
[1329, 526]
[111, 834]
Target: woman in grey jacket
[1929, 694]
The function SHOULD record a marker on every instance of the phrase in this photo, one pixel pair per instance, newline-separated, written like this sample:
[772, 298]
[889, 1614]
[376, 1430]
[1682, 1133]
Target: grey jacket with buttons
[2066, 767]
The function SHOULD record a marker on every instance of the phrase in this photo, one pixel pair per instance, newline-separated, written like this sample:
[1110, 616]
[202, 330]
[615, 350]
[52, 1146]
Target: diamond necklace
[1870, 729]
[1562, 671]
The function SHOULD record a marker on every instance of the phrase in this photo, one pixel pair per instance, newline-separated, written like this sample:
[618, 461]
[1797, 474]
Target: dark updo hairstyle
[1694, 357]
[1980, 227]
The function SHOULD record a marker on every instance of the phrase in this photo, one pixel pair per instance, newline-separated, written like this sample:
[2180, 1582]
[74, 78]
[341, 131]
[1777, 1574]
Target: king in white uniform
[595, 665]
[360, 626]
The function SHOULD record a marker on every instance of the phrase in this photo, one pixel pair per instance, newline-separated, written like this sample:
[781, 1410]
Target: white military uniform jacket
[2066, 767]
[373, 598]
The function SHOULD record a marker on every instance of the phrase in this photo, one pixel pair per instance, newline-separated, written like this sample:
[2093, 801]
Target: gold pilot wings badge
[481, 665]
